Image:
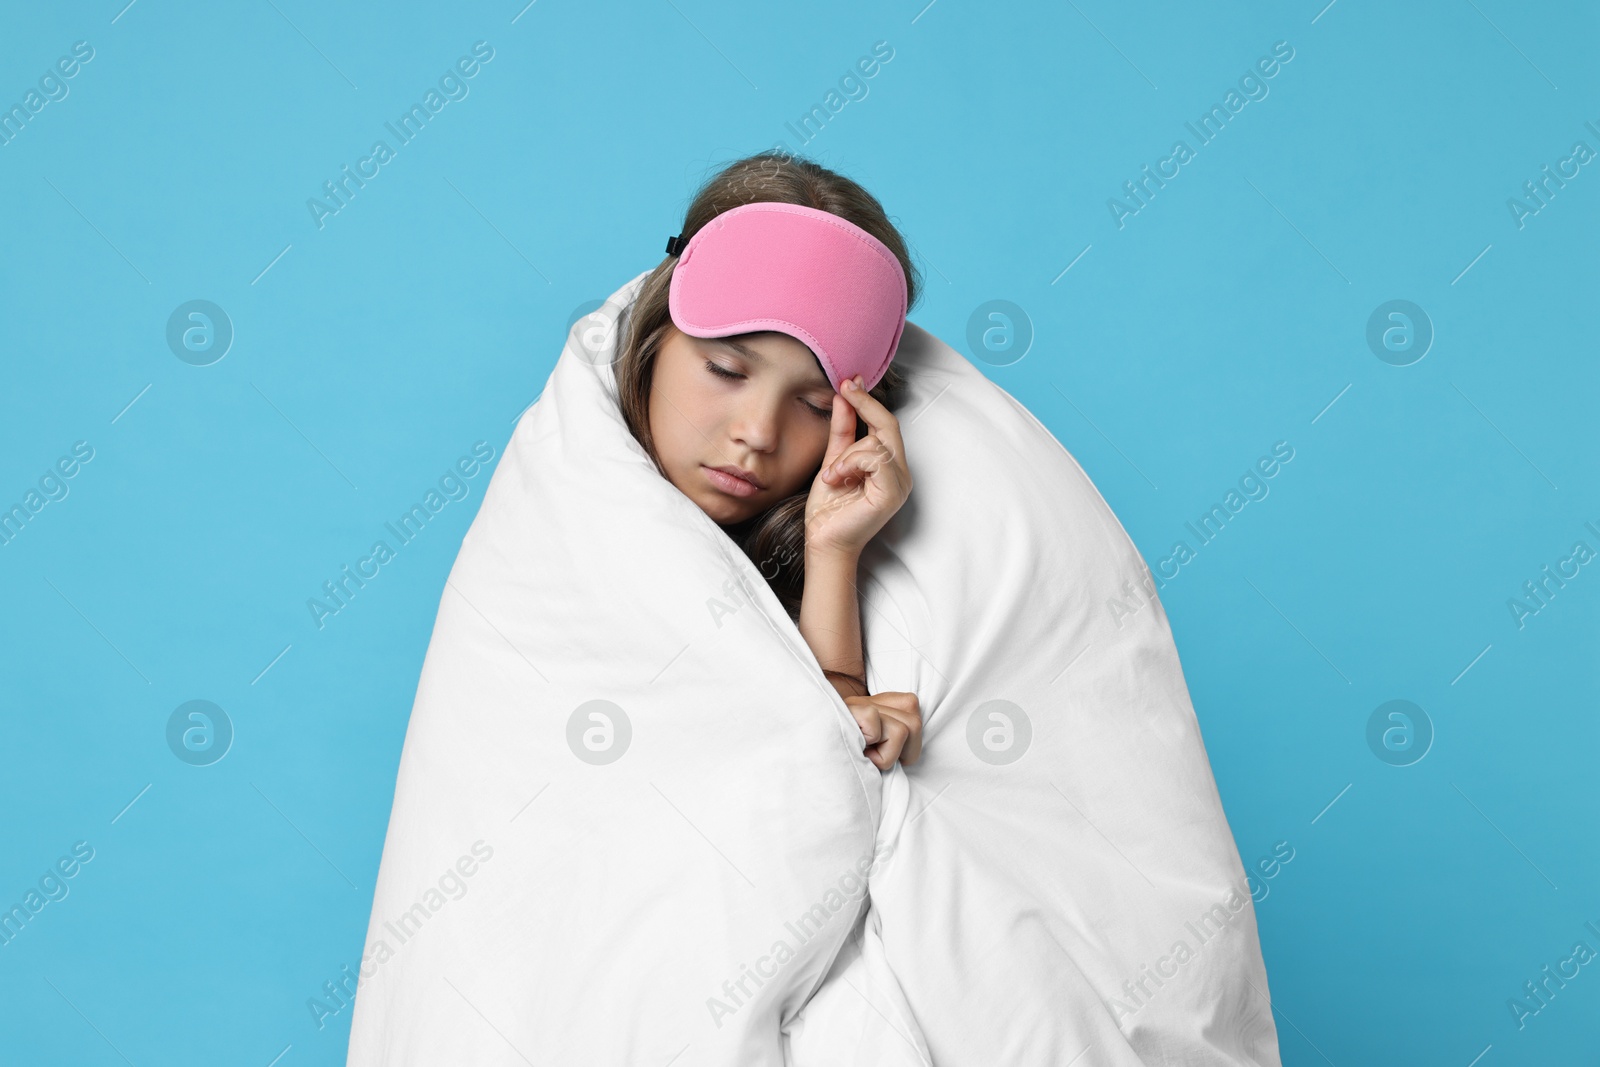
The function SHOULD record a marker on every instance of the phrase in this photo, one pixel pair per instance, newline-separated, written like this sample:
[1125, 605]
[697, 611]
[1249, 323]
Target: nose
[755, 424]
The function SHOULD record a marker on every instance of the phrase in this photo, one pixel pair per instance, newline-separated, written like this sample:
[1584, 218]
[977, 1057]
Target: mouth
[732, 480]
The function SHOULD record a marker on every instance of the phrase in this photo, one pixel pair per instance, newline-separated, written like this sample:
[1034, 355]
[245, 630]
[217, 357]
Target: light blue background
[1227, 315]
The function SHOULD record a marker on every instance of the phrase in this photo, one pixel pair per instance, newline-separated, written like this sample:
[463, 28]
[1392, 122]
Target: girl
[750, 427]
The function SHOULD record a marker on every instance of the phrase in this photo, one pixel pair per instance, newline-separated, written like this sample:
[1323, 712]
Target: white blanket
[633, 823]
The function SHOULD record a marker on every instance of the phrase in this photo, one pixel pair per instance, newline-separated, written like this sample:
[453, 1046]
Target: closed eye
[723, 372]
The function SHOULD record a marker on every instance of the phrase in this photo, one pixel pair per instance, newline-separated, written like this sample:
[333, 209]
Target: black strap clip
[675, 245]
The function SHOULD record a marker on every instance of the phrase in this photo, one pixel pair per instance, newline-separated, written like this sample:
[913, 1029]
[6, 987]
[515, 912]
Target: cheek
[806, 457]
[682, 417]
[813, 448]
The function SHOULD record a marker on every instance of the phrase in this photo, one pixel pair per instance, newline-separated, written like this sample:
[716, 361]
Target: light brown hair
[774, 539]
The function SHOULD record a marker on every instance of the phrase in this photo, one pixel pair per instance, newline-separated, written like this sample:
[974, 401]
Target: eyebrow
[758, 357]
[742, 349]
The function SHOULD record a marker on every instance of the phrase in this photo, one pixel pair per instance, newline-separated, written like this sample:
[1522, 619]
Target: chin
[724, 511]
[727, 513]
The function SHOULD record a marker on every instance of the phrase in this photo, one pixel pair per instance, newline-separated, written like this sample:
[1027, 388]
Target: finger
[863, 458]
[869, 460]
[841, 430]
[905, 708]
[878, 418]
[911, 720]
[913, 746]
[881, 458]
[888, 443]
[904, 701]
[871, 722]
[894, 740]
[912, 725]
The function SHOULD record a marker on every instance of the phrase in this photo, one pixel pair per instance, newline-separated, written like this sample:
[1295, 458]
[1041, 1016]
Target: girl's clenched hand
[862, 483]
[891, 723]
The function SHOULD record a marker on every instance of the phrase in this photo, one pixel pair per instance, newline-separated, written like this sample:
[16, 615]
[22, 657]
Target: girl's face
[756, 401]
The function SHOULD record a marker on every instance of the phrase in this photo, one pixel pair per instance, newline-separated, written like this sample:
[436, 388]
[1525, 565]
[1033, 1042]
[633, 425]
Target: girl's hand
[862, 483]
[892, 726]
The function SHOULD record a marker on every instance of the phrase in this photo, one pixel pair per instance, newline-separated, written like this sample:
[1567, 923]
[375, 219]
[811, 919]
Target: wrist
[856, 683]
[829, 557]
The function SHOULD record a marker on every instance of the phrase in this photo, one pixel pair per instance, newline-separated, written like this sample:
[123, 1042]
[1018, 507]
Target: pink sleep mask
[810, 274]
